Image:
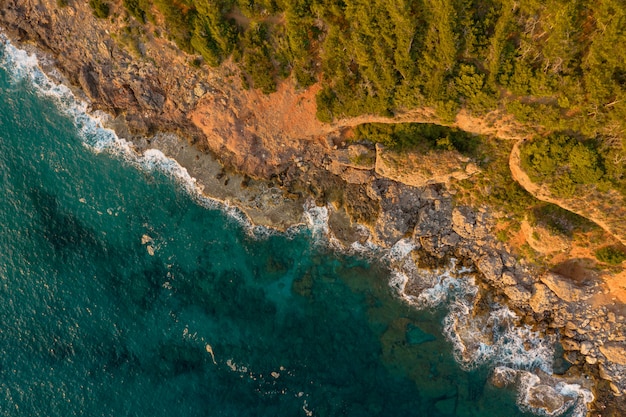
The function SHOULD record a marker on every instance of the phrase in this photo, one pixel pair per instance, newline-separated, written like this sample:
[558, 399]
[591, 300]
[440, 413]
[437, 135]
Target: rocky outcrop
[614, 352]
[420, 169]
[563, 288]
[149, 94]
[276, 140]
[400, 210]
[542, 300]
[549, 300]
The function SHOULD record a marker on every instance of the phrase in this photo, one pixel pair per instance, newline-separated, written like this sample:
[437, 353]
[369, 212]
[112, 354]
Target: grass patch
[558, 220]
[610, 255]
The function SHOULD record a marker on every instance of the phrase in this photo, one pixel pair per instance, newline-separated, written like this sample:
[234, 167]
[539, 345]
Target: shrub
[136, 8]
[100, 8]
[418, 136]
[178, 21]
[257, 60]
[563, 162]
[610, 255]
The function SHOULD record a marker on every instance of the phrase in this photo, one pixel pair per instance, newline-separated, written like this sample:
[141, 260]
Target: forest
[557, 64]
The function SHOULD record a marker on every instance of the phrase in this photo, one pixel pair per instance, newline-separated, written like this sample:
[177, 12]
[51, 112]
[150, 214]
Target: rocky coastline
[267, 156]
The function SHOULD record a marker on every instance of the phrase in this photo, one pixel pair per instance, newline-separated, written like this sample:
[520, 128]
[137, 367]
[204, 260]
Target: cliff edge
[273, 154]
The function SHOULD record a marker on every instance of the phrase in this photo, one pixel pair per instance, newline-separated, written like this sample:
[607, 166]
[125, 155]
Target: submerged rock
[503, 377]
[416, 336]
[447, 406]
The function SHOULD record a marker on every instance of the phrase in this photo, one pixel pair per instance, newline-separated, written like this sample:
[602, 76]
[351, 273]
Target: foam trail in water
[494, 338]
[561, 397]
[24, 67]
[317, 219]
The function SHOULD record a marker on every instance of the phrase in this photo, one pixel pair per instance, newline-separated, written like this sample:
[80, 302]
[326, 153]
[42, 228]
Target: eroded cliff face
[147, 93]
[283, 155]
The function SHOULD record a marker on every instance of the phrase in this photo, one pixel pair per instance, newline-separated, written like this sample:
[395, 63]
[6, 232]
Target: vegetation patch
[564, 163]
[554, 65]
[559, 221]
[137, 8]
[100, 8]
[495, 185]
[611, 255]
[418, 137]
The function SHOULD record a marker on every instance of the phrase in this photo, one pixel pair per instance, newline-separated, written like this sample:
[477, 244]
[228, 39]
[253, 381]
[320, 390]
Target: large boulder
[562, 287]
[420, 169]
[544, 397]
[88, 80]
[614, 352]
[542, 299]
[392, 226]
[400, 210]
[490, 265]
[517, 294]
[467, 224]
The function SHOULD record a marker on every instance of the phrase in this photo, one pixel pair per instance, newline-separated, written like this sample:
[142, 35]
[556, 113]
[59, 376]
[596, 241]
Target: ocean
[123, 292]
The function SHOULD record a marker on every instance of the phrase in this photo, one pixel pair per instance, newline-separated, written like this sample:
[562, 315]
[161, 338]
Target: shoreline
[169, 146]
[438, 239]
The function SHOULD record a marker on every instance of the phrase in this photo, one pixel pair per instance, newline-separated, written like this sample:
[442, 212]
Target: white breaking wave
[365, 248]
[401, 249]
[397, 282]
[563, 397]
[316, 219]
[90, 126]
[495, 339]
[22, 66]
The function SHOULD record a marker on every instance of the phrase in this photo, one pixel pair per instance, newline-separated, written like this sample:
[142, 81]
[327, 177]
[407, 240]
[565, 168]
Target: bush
[610, 255]
[563, 162]
[136, 8]
[558, 220]
[100, 8]
[257, 61]
[178, 21]
[418, 136]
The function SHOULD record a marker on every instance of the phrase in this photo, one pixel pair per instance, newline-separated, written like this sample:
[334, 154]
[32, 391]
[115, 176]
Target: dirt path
[611, 221]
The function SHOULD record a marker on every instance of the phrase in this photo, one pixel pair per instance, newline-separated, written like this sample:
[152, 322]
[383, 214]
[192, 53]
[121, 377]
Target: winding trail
[609, 213]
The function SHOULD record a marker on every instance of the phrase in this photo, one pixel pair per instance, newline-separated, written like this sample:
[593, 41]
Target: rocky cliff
[273, 155]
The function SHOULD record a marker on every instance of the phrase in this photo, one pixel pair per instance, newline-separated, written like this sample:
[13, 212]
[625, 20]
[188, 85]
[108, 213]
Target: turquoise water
[121, 295]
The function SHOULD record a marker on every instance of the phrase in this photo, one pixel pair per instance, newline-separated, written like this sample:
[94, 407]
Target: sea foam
[316, 218]
[23, 66]
[495, 339]
[533, 391]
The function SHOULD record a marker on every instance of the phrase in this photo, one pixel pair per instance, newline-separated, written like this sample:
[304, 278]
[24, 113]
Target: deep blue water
[121, 295]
